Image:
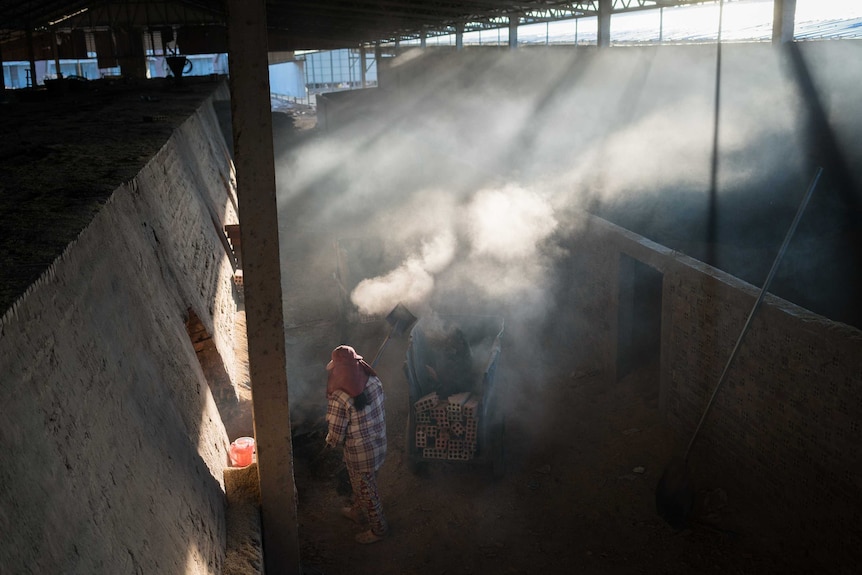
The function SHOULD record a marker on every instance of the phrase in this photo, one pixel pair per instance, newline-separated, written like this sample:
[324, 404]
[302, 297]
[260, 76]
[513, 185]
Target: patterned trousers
[366, 500]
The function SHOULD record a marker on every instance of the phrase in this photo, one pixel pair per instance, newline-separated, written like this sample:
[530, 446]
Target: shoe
[353, 514]
[368, 537]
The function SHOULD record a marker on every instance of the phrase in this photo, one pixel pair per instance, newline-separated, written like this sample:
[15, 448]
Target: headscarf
[347, 371]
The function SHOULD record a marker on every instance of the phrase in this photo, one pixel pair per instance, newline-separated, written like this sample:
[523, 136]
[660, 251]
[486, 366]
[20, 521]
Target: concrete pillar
[784, 16]
[56, 53]
[604, 31]
[459, 38]
[661, 25]
[2, 77]
[362, 65]
[514, 20]
[423, 36]
[255, 176]
[32, 53]
[132, 59]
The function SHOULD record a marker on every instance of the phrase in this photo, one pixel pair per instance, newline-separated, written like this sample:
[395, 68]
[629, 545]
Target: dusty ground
[577, 495]
[582, 461]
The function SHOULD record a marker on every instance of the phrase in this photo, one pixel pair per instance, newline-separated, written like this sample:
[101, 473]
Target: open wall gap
[639, 327]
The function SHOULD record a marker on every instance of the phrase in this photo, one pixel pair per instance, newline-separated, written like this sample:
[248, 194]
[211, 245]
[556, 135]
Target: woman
[357, 420]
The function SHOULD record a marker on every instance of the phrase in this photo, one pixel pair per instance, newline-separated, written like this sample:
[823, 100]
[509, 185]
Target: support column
[660, 25]
[783, 21]
[2, 77]
[604, 31]
[255, 176]
[132, 58]
[362, 66]
[378, 62]
[32, 53]
[459, 38]
[378, 58]
[423, 38]
[514, 20]
[55, 49]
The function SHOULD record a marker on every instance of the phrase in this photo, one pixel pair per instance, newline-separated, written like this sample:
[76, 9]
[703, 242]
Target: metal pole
[757, 303]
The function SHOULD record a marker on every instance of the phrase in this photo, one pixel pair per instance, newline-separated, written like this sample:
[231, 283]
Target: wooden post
[255, 175]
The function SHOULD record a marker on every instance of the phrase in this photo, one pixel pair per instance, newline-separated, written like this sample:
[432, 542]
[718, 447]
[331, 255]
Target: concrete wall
[113, 448]
[337, 109]
[785, 425]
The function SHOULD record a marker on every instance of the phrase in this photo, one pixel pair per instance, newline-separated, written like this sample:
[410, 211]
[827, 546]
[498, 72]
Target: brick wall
[113, 449]
[785, 426]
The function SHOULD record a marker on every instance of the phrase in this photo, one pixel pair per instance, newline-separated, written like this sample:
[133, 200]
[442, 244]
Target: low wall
[113, 449]
[784, 427]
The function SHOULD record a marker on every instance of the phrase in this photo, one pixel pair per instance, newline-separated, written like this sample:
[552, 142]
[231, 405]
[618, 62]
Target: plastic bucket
[242, 451]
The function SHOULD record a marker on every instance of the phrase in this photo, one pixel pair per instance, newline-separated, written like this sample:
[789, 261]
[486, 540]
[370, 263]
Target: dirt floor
[578, 493]
[582, 458]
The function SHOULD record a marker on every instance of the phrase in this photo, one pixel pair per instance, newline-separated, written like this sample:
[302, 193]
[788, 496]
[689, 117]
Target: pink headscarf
[347, 371]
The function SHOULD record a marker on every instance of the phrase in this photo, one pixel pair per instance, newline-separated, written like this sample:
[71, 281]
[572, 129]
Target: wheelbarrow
[454, 411]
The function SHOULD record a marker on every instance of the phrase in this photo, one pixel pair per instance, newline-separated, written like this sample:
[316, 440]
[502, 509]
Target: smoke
[472, 172]
[497, 241]
[410, 283]
[508, 224]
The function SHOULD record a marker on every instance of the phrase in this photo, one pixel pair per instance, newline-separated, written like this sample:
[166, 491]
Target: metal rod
[382, 346]
[757, 303]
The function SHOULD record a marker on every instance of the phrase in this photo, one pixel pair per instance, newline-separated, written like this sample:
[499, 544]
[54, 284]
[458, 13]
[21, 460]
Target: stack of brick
[449, 428]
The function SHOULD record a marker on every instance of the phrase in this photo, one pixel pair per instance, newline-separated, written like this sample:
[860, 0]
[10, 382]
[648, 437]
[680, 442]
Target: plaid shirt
[362, 432]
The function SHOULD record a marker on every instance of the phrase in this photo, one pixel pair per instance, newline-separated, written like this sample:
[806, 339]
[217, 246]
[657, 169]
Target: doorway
[639, 329]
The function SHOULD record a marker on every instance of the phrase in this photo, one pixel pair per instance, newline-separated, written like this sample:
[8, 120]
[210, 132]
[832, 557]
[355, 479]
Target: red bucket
[242, 452]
